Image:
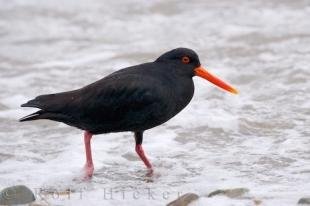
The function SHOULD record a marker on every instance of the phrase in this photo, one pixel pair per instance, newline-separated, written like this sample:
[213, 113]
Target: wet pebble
[232, 193]
[304, 200]
[3, 107]
[15, 195]
[184, 200]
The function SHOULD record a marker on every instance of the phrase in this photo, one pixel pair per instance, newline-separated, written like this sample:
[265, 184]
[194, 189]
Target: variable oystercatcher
[132, 99]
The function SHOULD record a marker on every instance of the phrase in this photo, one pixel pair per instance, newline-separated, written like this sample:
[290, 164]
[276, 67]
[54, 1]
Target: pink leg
[141, 154]
[89, 166]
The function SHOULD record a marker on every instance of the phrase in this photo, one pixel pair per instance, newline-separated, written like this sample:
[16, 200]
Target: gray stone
[257, 202]
[15, 195]
[184, 200]
[232, 193]
[39, 203]
[304, 200]
[3, 107]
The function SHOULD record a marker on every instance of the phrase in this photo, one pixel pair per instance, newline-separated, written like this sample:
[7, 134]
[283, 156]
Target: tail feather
[32, 116]
[32, 103]
[52, 107]
[41, 114]
[50, 102]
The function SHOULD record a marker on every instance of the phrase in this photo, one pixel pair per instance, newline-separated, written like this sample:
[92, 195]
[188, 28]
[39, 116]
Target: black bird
[133, 99]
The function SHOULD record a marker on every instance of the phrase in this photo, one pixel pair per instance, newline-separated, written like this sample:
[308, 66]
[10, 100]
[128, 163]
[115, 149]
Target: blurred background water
[258, 139]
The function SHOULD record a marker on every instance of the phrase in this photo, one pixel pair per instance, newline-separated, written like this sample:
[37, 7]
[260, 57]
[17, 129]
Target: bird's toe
[88, 171]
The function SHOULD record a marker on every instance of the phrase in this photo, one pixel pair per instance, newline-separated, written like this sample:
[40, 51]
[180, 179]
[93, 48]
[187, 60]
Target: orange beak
[200, 71]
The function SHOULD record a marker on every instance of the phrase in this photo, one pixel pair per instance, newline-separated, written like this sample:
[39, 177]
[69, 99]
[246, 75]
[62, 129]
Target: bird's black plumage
[136, 98]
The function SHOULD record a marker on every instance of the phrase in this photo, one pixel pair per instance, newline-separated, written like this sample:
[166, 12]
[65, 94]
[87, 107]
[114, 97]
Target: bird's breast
[180, 92]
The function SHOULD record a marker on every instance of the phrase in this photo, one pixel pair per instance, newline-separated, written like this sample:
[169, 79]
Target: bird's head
[187, 62]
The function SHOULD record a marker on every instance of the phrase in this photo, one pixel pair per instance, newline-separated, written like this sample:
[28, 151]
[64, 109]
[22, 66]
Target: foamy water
[259, 139]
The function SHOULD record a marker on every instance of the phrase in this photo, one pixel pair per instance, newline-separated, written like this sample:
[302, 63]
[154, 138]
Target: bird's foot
[88, 171]
[150, 172]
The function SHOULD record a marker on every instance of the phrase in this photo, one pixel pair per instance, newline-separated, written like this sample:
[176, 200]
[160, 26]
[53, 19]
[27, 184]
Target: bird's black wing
[122, 101]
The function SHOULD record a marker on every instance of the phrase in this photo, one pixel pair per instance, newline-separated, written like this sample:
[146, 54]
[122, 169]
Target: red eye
[185, 59]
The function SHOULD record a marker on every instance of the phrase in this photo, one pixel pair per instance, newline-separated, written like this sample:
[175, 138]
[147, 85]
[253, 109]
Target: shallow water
[258, 139]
